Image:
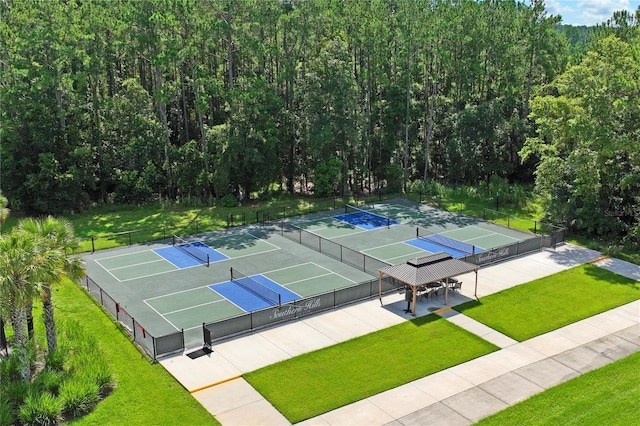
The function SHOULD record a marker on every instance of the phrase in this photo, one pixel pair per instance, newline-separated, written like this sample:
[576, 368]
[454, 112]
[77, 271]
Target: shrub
[10, 369]
[6, 415]
[14, 393]
[41, 409]
[102, 376]
[48, 381]
[78, 396]
[229, 201]
[56, 359]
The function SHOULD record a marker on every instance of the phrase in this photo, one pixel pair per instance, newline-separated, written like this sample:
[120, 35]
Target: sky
[588, 12]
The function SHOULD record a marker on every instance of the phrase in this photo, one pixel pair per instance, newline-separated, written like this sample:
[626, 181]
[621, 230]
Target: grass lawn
[606, 396]
[114, 226]
[548, 303]
[320, 381]
[146, 394]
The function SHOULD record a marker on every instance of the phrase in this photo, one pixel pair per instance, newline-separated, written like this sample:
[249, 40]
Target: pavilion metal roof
[423, 270]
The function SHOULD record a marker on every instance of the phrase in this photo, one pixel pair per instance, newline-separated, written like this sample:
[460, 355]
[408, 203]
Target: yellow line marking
[215, 384]
[443, 310]
[599, 259]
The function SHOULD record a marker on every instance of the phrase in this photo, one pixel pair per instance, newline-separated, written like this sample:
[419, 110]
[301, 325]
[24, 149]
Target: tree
[55, 239]
[22, 266]
[587, 141]
[4, 210]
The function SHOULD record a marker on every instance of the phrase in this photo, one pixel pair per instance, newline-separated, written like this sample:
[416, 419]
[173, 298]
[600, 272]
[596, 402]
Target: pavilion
[420, 272]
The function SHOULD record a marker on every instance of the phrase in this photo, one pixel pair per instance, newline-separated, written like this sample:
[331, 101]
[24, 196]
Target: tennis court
[168, 287]
[188, 309]
[180, 255]
[179, 284]
[399, 230]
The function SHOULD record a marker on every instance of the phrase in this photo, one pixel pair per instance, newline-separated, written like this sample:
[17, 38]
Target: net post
[93, 247]
[208, 261]
[417, 232]
[231, 272]
[173, 238]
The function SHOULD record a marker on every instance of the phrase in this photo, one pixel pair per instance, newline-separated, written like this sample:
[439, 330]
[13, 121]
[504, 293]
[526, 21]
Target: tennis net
[377, 219]
[255, 287]
[191, 249]
[446, 242]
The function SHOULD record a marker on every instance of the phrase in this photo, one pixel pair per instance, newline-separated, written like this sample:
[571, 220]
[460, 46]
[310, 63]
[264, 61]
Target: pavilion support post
[446, 291]
[380, 287]
[414, 288]
[475, 293]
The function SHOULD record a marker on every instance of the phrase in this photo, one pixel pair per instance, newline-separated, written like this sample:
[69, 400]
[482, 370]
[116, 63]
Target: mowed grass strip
[145, 393]
[320, 381]
[548, 303]
[606, 396]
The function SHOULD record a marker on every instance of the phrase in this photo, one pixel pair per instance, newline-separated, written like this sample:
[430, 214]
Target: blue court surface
[435, 247]
[250, 300]
[185, 260]
[365, 220]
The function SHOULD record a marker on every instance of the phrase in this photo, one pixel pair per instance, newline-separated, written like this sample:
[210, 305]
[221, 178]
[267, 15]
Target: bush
[6, 416]
[78, 396]
[10, 369]
[14, 393]
[41, 409]
[48, 381]
[103, 378]
[229, 200]
[56, 359]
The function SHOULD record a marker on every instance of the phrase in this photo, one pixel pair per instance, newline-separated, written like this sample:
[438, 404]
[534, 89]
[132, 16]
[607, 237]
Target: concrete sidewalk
[458, 395]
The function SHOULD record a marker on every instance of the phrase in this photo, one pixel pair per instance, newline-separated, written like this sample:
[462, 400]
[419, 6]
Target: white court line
[161, 315]
[310, 278]
[108, 271]
[191, 307]
[495, 233]
[251, 254]
[359, 231]
[490, 233]
[137, 264]
[403, 258]
[291, 267]
[385, 245]
[260, 239]
[186, 290]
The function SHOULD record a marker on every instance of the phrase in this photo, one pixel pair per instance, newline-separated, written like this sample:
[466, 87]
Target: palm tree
[4, 211]
[20, 267]
[56, 238]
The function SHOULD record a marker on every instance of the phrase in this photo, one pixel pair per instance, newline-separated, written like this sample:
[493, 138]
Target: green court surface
[194, 317]
[306, 279]
[235, 246]
[164, 298]
[328, 227]
[183, 300]
[396, 253]
[136, 265]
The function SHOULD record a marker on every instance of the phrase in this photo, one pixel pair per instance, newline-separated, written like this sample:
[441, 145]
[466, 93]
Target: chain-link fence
[151, 345]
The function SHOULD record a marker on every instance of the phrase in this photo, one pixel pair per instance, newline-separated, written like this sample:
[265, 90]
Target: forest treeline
[132, 100]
